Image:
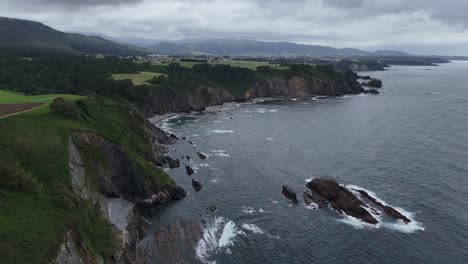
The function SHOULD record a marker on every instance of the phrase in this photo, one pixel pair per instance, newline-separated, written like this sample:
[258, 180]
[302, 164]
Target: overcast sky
[416, 26]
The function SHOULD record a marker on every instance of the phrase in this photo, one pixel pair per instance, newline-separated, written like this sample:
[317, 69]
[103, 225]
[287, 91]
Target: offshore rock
[289, 193]
[202, 155]
[387, 209]
[197, 185]
[342, 200]
[376, 83]
[189, 170]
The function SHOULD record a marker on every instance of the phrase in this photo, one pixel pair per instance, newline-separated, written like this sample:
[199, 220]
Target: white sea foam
[222, 155]
[218, 235]
[261, 210]
[261, 111]
[309, 179]
[273, 111]
[204, 165]
[217, 121]
[230, 231]
[220, 131]
[312, 206]
[248, 210]
[253, 228]
[269, 139]
[214, 180]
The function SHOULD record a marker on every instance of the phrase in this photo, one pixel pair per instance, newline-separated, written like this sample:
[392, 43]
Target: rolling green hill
[29, 38]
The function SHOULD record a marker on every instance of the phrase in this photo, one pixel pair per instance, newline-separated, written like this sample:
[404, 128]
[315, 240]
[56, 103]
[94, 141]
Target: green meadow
[137, 78]
[10, 97]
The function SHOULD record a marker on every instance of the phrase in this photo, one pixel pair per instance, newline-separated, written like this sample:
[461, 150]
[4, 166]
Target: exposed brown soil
[13, 109]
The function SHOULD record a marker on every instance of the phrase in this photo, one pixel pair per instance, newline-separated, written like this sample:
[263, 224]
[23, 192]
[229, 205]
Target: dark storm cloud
[367, 24]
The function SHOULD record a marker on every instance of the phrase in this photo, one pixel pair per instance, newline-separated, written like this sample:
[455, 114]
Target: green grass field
[136, 78]
[242, 64]
[9, 97]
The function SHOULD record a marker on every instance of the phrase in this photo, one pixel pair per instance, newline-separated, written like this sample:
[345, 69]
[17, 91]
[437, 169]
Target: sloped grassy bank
[40, 208]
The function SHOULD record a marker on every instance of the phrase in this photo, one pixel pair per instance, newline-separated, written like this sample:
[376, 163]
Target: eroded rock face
[120, 176]
[289, 193]
[304, 86]
[169, 100]
[342, 200]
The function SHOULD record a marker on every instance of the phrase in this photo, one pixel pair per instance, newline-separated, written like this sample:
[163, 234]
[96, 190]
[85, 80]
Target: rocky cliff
[173, 101]
[106, 175]
[304, 87]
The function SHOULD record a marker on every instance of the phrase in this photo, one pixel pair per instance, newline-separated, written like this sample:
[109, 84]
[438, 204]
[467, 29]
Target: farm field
[136, 78]
[9, 97]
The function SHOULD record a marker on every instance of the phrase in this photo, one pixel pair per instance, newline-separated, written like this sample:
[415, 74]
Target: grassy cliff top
[37, 204]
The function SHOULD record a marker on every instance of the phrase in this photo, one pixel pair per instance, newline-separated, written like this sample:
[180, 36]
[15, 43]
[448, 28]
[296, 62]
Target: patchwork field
[137, 78]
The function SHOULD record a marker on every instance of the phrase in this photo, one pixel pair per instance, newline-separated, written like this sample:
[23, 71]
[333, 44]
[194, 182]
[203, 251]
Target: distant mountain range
[28, 38]
[25, 37]
[235, 47]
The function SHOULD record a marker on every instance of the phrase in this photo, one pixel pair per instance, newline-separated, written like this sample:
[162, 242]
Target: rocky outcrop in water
[197, 185]
[372, 91]
[305, 86]
[342, 200]
[345, 201]
[376, 83]
[173, 163]
[202, 155]
[387, 209]
[310, 199]
[289, 193]
[189, 170]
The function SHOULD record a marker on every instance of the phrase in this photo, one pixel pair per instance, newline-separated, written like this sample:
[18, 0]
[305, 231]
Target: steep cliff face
[171, 101]
[303, 87]
[104, 174]
[174, 101]
[114, 174]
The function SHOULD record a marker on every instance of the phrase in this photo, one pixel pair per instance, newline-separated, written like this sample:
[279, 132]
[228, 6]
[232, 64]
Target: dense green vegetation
[37, 204]
[138, 82]
[253, 65]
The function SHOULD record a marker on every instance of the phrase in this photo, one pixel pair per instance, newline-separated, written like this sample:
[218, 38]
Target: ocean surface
[408, 145]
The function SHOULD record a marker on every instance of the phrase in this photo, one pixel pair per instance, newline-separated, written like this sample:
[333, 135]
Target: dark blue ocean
[408, 145]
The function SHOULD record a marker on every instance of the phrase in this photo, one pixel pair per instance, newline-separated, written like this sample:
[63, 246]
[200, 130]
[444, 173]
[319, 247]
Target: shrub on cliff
[15, 178]
[64, 108]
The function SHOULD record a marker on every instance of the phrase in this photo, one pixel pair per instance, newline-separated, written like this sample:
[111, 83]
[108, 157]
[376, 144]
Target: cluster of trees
[71, 75]
[219, 75]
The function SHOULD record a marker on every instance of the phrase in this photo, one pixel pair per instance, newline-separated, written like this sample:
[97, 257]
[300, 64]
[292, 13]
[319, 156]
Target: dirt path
[7, 110]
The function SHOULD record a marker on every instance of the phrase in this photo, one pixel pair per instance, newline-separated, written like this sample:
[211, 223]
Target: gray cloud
[433, 26]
